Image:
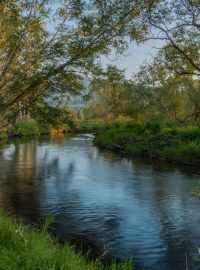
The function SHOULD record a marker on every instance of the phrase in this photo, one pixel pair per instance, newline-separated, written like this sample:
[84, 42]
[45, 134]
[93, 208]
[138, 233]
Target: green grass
[4, 135]
[27, 128]
[178, 144]
[187, 153]
[25, 248]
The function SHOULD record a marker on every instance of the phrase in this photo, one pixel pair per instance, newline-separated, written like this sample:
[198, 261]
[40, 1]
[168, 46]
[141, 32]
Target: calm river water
[125, 207]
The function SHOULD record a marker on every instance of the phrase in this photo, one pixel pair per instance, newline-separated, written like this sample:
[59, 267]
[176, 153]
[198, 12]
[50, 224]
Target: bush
[27, 127]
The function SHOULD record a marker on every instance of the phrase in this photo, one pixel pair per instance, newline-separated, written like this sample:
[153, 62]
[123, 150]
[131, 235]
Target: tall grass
[25, 248]
[187, 153]
[27, 127]
[4, 135]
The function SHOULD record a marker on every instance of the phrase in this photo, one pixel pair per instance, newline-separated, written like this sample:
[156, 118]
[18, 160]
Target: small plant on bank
[25, 127]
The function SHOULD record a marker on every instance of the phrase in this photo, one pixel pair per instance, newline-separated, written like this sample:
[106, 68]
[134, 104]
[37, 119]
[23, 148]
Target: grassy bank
[29, 127]
[178, 144]
[24, 248]
[25, 127]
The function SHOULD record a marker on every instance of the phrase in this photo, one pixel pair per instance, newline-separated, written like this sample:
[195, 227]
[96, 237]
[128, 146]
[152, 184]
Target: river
[122, 207]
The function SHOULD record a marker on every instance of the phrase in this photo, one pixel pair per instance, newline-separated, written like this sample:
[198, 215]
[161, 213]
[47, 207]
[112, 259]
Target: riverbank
[179, 145]
[23, 247]
[23, 128]
[30, 127]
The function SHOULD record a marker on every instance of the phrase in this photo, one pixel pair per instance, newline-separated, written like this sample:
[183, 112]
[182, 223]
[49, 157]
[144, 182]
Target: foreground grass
[179, 144]
[25, 248]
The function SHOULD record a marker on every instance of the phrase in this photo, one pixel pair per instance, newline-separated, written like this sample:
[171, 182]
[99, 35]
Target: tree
[178, 24]
[193, 99]
[45, 48]
[158, 92]
[109, 96]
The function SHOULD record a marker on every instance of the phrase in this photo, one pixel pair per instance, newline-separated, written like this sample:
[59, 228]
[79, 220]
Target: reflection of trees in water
[20, 180]
[25, 171]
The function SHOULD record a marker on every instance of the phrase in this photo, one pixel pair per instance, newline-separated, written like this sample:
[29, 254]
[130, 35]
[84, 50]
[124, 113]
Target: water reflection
[128, 207]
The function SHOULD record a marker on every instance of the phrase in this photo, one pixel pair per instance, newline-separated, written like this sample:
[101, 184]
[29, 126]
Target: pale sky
[135, 56]
[131, 60]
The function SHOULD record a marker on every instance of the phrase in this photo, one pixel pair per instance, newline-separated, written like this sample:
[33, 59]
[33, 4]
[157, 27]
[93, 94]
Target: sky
[134, 57]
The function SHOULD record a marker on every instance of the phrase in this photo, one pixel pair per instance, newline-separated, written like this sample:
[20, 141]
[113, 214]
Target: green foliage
[39, 62]
[181, 50]
[186, 153]
[155, 95]
[135, 149]
[52, 116]
[23, 247]
[104, 141]
[109, 97]
[4, 135]
[175, 144]
[27, 127]
[154, 127]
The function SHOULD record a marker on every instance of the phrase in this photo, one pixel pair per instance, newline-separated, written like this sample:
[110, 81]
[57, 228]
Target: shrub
[25, 127]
